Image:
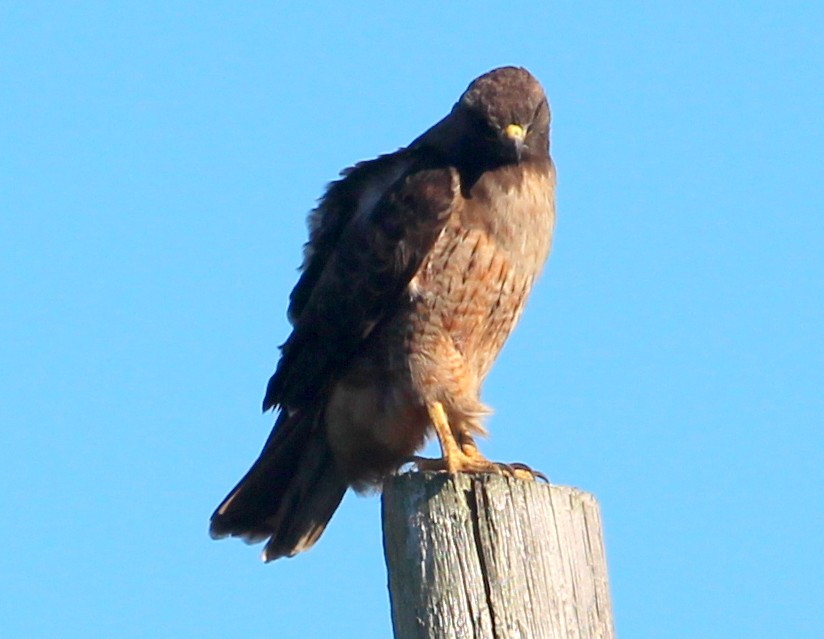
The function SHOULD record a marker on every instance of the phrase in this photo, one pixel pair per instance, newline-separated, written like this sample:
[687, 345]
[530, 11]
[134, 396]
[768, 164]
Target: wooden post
[491, 557]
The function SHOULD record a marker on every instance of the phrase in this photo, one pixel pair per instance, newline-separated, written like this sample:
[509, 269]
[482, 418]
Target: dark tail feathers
[290, 493]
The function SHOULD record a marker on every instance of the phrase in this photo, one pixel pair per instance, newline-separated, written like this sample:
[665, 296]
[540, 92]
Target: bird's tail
[290, 493]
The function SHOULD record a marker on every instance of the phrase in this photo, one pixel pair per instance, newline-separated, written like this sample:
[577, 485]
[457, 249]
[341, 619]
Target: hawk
[417, 269]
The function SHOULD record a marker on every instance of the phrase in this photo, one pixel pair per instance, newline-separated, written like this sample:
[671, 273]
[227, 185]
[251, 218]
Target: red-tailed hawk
[417, 268]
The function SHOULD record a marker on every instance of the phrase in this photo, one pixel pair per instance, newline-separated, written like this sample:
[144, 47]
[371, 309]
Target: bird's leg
[467, 443]
[515, 469]
[461, 454]
[456, 458]
[450, 451]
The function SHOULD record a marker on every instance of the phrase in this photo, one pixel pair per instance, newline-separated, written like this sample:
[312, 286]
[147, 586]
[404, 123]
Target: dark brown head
[505, 114]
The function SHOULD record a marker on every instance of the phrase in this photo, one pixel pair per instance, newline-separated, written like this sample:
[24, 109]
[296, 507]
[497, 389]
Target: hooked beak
[515, 135]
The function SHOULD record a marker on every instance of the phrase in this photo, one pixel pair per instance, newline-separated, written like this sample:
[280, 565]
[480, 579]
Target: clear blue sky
[157, 161]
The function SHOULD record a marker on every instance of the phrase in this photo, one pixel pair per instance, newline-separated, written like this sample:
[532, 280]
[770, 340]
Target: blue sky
[157, 161]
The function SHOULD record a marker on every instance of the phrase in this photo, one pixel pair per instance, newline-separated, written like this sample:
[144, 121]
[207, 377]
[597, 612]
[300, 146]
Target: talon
[522, 471]
[506, 469]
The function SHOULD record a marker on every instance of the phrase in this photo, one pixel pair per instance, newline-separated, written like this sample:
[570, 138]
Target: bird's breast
[474, 284]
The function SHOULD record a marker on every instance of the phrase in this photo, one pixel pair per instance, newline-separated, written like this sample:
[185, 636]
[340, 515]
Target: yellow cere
[515, 131]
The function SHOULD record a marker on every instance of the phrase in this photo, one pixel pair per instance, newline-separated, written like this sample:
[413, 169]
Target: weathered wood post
[491, 557]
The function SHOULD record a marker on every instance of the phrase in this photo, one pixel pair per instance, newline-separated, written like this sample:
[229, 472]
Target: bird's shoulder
[368, 237]
[364, 198]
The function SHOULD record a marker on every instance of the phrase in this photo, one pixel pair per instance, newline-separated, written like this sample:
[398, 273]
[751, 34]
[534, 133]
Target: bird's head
[505, 114]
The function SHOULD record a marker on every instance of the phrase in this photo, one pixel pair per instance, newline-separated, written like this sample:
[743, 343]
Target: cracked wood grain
[491, 557]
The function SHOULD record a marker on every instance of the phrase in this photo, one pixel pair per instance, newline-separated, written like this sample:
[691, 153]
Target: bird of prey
[417, 269]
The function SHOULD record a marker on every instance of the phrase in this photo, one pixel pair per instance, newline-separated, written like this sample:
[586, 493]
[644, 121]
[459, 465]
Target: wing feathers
[364, 274]
[357, 193]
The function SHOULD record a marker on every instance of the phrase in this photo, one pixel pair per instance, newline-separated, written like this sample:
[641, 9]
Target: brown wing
[369, 236]
[343, 199]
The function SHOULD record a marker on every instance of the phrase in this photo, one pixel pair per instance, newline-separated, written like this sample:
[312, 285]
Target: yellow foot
[477, 466]
[459, 463]
[461, 455]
